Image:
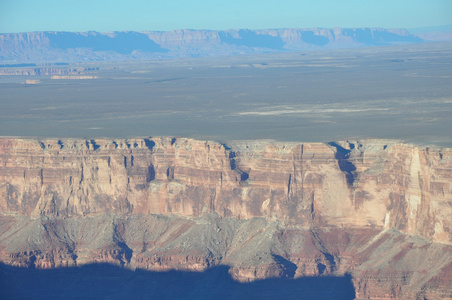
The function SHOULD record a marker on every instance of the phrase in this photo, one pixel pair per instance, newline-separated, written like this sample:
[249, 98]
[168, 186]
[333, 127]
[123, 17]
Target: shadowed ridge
[120, 42]
[105, 281]
[250, 38]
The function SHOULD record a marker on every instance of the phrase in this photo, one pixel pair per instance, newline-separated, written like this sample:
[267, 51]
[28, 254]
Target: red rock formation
[379, 210]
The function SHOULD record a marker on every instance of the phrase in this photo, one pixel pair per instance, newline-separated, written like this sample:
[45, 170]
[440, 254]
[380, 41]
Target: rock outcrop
[379, 210]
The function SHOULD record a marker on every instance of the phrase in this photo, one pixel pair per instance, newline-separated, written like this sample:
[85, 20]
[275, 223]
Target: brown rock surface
[379, 210]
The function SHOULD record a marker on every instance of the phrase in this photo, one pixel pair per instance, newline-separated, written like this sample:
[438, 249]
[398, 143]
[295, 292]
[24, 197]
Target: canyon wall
[377, 184]
[379, 210]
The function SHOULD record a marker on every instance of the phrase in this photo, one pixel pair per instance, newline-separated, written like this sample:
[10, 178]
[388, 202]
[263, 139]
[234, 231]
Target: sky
[165, 15]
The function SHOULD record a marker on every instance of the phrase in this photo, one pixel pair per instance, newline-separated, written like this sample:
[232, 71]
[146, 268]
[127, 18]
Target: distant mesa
[120, 42]
[434, 33]
[73, 77]
[55, 69]
[250, 38]
[21, 48]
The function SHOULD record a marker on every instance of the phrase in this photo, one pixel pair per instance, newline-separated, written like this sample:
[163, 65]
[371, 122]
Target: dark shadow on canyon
[105, 281]
[346, 166]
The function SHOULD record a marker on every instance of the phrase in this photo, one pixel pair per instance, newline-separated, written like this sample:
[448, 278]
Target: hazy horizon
[439, 27]
[139, 15]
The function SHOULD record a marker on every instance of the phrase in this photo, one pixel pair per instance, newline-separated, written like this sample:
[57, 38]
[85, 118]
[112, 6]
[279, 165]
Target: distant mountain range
[434, 33]
[95, 46]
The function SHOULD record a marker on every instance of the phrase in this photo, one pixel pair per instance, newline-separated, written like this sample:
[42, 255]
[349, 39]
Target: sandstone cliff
[379, 210]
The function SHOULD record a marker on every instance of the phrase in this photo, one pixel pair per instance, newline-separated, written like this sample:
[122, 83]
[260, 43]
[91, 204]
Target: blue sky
[139, 15]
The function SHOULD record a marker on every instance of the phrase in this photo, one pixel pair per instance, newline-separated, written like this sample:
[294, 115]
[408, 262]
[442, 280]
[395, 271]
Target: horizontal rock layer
[89, 46]
[377, 184]
[379, 210]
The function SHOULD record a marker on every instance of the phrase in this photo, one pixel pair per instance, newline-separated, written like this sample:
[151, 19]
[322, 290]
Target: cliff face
[375, 184]
[83, 46]
[377, 209]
